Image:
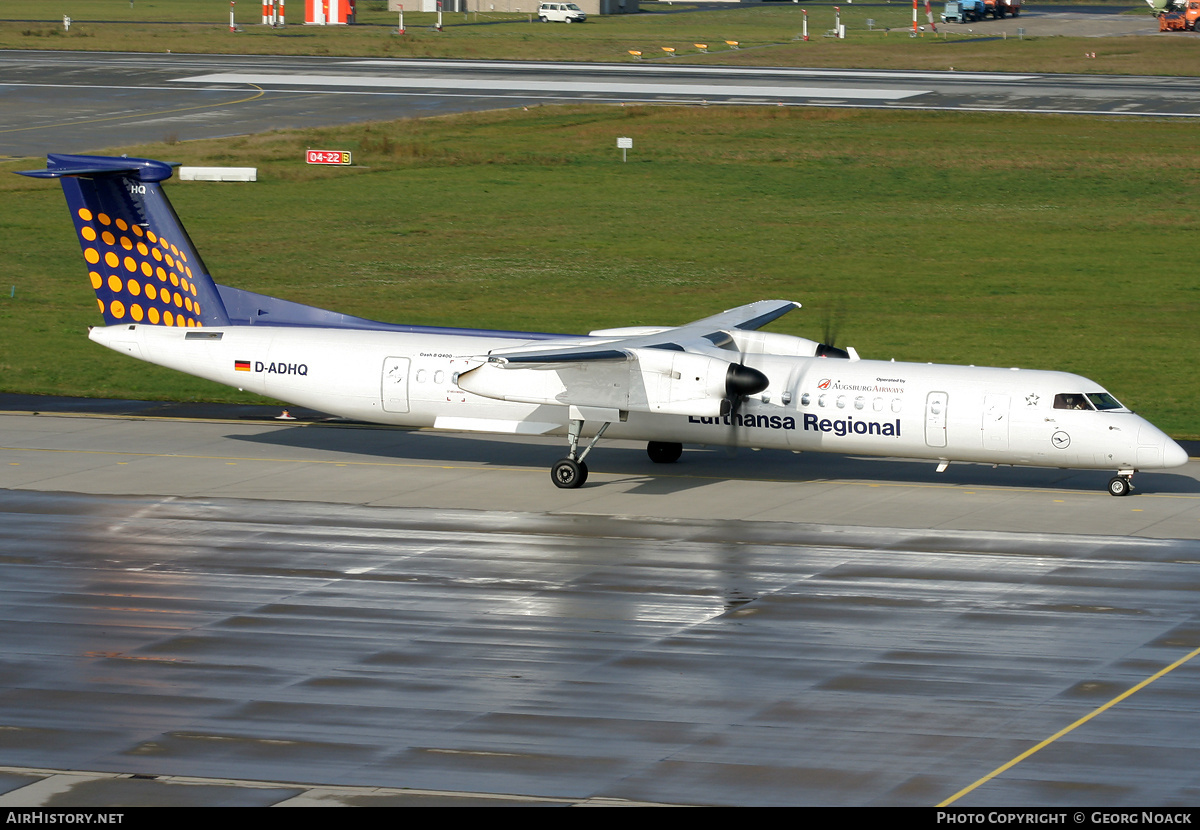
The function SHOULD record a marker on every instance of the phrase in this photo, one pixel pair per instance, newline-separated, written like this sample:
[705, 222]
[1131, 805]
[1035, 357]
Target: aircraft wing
[691, 337]
[674, 371]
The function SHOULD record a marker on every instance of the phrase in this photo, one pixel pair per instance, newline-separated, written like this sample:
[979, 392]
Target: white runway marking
[725, 71]
[554, 86]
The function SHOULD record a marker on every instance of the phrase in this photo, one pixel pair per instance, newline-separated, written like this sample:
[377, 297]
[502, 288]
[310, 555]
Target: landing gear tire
[568, 474]
[663, 452]
[1119, 486]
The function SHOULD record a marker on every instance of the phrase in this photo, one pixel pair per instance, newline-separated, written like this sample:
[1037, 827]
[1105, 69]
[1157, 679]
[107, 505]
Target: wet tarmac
[242, 611]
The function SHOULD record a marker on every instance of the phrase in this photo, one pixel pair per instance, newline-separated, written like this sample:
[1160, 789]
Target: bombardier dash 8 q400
[717, 381]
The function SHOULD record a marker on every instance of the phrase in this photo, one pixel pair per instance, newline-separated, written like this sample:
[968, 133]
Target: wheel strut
[570, 472]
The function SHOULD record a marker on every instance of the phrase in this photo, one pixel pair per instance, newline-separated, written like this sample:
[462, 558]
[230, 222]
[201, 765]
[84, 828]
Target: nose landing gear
[1121, 484]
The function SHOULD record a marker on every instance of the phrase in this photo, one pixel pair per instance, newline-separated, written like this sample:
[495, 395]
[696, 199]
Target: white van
[561, 13]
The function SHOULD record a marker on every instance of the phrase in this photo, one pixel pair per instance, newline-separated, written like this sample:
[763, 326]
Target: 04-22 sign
[327, 156]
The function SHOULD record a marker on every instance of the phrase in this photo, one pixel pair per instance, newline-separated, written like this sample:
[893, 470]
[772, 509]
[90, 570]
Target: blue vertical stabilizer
[141, 262]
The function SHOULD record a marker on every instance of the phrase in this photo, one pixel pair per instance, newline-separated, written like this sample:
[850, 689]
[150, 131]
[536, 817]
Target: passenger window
[805, 399]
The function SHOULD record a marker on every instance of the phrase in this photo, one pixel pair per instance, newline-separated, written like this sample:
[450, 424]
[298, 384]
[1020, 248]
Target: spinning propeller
[826, 347]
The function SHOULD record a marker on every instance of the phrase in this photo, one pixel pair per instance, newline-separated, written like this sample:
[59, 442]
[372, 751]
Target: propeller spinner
[740, 382]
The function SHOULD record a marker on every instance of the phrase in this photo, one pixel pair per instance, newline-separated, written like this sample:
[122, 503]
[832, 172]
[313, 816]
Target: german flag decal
[241, 365]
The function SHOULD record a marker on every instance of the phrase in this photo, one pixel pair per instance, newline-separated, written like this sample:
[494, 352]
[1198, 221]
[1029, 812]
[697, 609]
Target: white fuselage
[867, 407]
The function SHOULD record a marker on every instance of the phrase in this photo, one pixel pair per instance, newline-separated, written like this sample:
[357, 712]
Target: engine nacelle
[654, 380]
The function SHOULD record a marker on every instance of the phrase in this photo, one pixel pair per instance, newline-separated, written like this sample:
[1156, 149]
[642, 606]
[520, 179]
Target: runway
[81, 102]
[376, 616]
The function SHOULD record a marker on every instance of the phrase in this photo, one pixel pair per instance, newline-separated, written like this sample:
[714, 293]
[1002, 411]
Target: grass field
[766, 34]
[1038, 241]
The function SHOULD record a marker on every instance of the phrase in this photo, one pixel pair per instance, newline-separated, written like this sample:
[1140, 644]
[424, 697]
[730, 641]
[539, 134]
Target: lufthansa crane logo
[1060, 440]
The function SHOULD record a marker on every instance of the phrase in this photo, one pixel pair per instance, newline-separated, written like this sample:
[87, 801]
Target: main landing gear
[662, 452]
[570, 472]
[1121, 484]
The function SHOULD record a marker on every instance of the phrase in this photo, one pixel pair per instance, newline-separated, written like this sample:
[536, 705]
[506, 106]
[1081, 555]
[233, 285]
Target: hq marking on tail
[718, 380]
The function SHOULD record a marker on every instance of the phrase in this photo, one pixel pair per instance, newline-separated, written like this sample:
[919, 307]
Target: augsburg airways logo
[825, 384]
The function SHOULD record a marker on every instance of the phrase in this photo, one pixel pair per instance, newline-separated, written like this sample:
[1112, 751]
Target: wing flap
[651, 380]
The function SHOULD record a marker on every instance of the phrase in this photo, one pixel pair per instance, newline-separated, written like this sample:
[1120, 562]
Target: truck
[1177, 15]
[1000, 9]
[964, 11]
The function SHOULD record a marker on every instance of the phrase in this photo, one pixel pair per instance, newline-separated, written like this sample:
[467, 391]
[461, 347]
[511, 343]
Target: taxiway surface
[382, 616]
[81, 102]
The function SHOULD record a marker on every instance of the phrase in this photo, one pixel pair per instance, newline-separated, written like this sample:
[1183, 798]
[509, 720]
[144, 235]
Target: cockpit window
[1092, 400]
[1071, 401]
[1104, 401]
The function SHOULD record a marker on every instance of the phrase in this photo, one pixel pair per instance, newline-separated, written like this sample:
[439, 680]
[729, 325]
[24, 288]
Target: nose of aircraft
[1157, 450]
[1174, 455]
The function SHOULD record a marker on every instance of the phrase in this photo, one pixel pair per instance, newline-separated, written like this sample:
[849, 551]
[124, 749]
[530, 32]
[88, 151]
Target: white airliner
[717, 381]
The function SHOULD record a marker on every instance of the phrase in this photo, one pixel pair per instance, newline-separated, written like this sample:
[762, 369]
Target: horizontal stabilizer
[144, 170]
